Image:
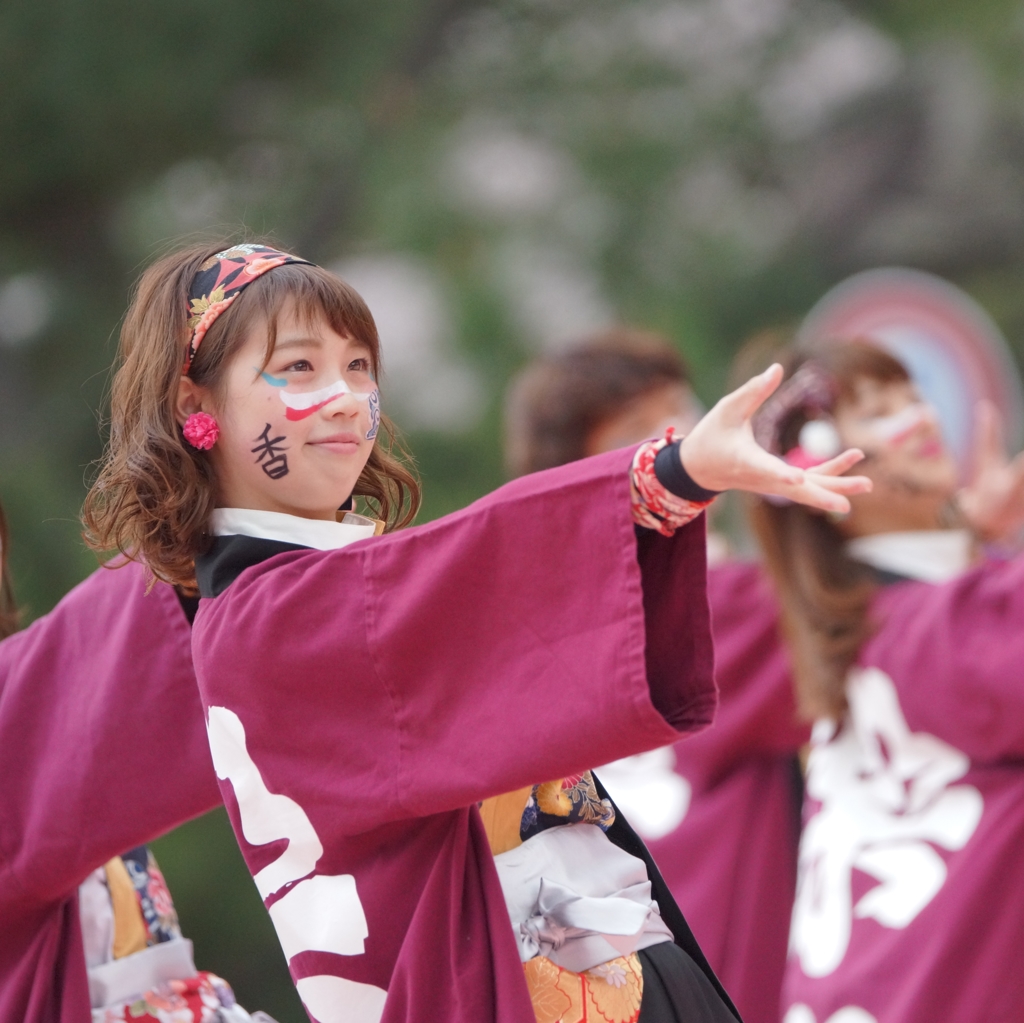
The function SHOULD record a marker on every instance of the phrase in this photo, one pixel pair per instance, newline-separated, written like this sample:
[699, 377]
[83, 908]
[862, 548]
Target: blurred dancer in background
[907, 649]
[719, 810]
[102, 747]
[902, 657]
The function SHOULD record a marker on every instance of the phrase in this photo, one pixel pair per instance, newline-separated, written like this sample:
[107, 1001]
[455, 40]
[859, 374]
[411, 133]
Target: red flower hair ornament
[201, 430]
[219, 281]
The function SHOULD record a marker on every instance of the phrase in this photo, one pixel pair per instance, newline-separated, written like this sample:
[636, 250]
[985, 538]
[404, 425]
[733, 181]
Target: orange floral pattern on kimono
[609, 993]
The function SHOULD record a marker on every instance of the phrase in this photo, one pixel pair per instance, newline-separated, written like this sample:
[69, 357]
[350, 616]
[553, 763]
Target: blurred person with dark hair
[88, 930]
[619, 385]
[720, 809]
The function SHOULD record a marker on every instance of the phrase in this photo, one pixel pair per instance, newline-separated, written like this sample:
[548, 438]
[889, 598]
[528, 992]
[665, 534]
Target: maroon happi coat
[362, 701]
[910, 903]
[101, 750]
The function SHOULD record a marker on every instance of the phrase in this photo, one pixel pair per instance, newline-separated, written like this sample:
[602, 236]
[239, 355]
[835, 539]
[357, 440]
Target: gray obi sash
[578, 899]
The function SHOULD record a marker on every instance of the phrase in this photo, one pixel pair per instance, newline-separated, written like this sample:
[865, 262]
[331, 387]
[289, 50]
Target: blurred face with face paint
[296, 434]
[913, 471]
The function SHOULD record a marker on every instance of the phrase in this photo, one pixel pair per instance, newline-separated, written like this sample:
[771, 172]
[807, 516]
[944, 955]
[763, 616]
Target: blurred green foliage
[497, 178]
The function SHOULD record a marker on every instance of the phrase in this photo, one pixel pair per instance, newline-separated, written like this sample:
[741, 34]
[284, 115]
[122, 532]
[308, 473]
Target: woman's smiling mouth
[344, 443]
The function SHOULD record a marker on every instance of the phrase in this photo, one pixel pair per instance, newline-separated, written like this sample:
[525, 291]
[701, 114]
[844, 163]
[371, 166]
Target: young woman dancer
[720, 810]
[363, 697]
[907, 649]
[101, 749]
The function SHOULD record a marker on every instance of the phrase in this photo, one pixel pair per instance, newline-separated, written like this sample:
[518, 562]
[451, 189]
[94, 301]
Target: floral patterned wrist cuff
[652, 505]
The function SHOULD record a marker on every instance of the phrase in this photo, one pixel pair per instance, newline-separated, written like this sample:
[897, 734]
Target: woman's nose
[346, 405]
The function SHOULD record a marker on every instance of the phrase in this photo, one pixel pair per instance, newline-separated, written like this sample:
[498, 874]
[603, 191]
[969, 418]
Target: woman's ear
[191, 399]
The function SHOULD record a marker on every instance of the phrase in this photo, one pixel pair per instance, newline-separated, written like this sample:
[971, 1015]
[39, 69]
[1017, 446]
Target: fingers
[763, 471]
[840, 464]
[842, 484]
[824, 500]
[988, 440]
[745, 400]
[828, 493]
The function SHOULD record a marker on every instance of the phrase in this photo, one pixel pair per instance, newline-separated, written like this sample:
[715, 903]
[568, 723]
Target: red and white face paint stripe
[894, 429]
[300, 406]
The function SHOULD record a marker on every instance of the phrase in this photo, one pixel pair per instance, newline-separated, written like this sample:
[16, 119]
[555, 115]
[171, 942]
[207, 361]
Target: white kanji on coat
[647, 789]
[847, 1014]
[319, 913]
[887, 801]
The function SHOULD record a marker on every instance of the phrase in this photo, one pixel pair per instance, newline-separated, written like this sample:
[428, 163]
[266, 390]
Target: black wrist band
[668, 467]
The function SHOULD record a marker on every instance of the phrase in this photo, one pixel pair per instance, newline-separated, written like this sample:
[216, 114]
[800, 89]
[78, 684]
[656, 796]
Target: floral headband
[220, 280]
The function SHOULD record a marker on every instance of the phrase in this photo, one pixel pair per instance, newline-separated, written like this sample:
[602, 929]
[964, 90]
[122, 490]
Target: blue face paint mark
[374, 404]
[274, 381]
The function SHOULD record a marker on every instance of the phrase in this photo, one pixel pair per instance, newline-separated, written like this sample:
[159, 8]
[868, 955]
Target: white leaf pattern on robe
[321, 913]
[887, 799]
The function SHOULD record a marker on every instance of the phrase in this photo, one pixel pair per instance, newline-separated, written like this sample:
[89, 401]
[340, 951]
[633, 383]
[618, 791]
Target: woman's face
[294, 436]
[912, 469]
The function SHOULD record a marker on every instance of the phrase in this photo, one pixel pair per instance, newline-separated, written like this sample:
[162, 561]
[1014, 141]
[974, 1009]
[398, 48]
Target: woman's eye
[302, 366]
[359, 366]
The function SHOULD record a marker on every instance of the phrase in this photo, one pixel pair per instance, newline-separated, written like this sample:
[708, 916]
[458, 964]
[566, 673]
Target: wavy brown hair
[825, 594]
[9, 617]
[154, 493]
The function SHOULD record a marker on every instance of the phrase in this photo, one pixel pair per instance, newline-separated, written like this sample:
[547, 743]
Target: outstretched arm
[720, 453]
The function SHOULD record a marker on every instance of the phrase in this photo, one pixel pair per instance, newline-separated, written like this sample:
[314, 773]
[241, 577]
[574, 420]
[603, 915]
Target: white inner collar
[928, 555]
[320, 534]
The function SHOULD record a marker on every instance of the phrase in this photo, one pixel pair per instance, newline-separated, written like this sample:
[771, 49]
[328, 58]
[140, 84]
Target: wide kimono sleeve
[528, 637]
[956, 653]
[102, 748]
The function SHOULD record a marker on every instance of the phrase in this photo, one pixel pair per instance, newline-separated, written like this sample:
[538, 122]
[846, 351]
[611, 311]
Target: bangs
[846, 362]
[315, 294]
[860, 359]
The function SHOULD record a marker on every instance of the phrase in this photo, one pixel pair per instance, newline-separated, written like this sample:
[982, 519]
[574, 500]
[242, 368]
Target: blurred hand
[993, 502]
[720, 453]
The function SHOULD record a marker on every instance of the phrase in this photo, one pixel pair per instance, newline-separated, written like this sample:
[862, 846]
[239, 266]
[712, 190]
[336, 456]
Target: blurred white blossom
[831, 69]
[26, 305]
[427, 384]
[495, 170]
[552, 296]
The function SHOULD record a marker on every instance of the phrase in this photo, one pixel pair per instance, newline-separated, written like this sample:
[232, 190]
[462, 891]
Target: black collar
[886, 578]
[229, 556]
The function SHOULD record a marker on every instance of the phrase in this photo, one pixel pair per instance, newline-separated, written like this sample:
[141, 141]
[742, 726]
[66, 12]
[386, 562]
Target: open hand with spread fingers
[993, 502]
[720, 453]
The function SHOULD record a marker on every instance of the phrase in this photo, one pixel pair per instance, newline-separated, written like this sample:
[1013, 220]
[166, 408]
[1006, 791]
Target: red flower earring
[201, 430]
